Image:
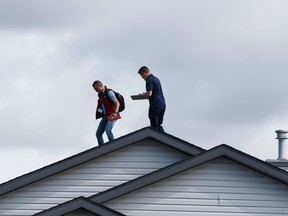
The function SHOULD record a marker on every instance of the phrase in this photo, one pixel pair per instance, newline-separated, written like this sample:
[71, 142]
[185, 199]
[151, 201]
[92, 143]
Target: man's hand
[113, 115]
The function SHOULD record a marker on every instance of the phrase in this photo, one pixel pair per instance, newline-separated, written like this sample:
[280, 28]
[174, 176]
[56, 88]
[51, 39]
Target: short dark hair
[97, 82]
[143, 69]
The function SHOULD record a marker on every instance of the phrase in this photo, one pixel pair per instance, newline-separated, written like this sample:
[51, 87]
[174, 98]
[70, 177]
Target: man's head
[98, 86]
[144, 72]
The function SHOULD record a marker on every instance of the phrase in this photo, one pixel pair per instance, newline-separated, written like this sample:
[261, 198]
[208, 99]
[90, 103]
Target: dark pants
[156, 115]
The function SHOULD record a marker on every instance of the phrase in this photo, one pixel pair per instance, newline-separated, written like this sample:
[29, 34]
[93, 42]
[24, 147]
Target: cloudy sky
[222, 64]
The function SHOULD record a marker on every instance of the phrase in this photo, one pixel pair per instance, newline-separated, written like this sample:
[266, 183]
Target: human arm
[146, 95]
[116, 105]
[149, 90]
[115, 115]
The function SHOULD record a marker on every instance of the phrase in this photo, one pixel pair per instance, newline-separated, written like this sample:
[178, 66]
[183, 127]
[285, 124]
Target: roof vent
[282, 137]
[281, 162]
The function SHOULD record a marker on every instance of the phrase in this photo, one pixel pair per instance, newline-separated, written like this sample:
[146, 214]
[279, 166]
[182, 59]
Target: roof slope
[99, 151]
[93, 171]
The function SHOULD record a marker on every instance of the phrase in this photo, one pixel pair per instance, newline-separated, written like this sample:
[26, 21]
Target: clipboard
[136, 97]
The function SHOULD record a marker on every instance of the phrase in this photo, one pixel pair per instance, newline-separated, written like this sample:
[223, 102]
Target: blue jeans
[156, 115]
[103, 126]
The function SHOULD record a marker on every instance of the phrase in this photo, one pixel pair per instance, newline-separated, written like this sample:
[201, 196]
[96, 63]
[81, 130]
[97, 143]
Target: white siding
[219, 187]
[90, 178]
[284, 168]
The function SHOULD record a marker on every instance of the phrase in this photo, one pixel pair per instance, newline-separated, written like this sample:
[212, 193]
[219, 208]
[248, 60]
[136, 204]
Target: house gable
[83, 157]
[79, 206]
[93, 171]
[220, 181]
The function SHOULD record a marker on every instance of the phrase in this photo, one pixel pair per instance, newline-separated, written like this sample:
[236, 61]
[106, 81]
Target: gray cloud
[222, 65]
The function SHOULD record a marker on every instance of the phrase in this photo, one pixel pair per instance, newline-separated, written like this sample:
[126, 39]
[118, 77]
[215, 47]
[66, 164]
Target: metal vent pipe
[282, 146]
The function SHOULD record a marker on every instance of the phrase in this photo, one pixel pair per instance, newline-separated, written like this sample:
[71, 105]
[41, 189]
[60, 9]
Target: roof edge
[77, 203]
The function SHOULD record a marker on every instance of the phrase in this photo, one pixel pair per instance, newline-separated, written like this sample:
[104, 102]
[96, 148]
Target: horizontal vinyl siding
[220, 187]
[90, 178]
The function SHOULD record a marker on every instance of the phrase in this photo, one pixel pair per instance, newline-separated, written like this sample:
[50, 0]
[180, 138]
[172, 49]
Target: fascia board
[78, 203]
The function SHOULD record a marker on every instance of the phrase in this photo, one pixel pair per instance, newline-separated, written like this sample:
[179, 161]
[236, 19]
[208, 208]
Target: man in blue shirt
[156, 98]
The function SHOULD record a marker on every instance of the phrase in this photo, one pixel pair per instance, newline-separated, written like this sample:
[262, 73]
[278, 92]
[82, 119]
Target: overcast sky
[222, 64]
